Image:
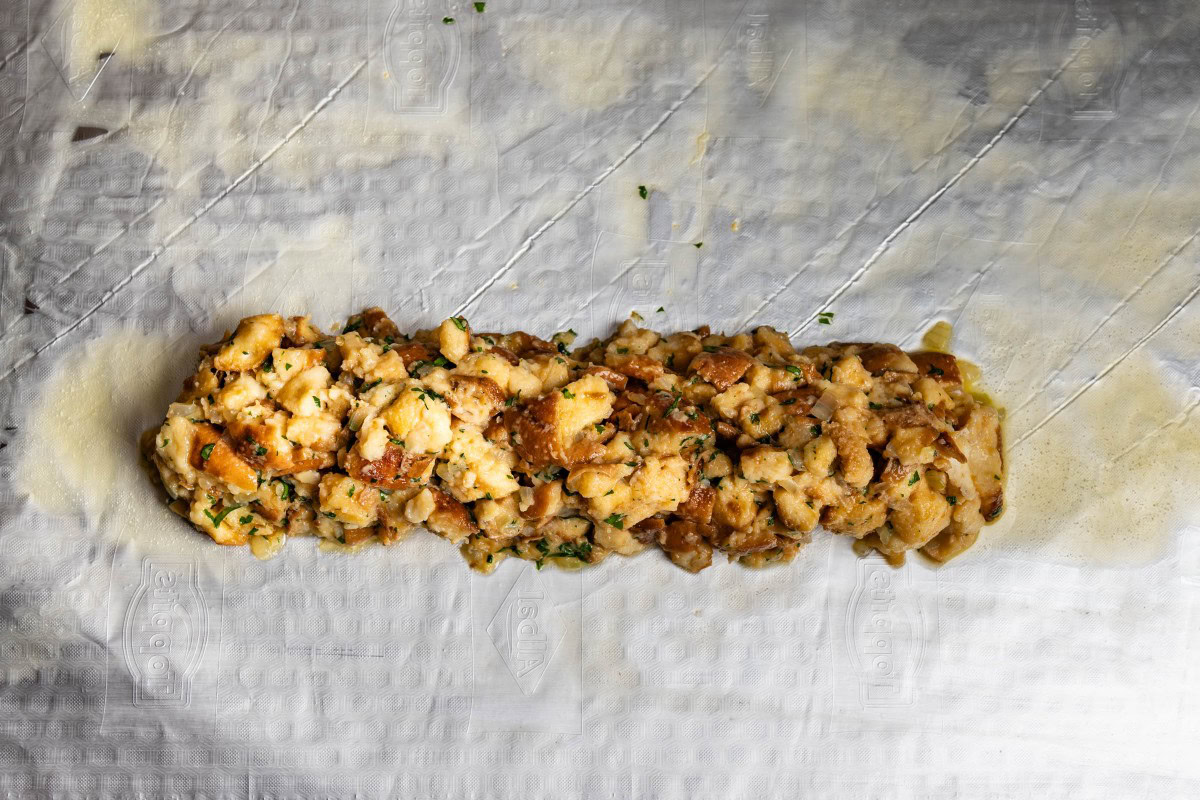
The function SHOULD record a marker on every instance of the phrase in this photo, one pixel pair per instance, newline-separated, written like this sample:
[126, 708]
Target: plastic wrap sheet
[1024, 171]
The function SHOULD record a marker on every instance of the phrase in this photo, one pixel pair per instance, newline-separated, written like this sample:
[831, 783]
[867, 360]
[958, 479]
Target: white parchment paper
[1024, 171]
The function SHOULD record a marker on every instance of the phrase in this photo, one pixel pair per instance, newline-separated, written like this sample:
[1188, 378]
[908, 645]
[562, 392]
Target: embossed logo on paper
[422, 54]
[166, 627]
[759, 51]
[526, 630]
[641, 287]
[1090, 38]
[884, 635]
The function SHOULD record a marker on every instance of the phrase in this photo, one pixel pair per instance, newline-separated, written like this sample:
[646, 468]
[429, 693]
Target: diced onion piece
[825, 406]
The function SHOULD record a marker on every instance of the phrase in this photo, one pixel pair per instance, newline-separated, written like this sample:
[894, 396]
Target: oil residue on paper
[79, 453]
[1100, 484]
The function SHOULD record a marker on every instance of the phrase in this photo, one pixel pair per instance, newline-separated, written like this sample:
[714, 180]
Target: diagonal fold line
[1175, 422]
[7, 58]
[186, 224]
[908, 221]
[529, 241]
[1143, 283]
[1102, 374]
[723, 46]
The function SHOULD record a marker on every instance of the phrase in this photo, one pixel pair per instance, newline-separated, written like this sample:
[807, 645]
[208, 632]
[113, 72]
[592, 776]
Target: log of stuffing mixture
[513, 446]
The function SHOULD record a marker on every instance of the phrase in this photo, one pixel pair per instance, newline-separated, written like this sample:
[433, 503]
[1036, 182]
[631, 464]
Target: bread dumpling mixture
[513, 446]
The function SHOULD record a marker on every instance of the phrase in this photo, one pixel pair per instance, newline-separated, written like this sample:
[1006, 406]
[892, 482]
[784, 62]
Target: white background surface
[1023, 170]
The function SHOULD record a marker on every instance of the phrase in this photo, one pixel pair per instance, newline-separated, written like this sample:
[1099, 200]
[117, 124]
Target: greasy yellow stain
[109, 26]
[80, 439]
[701, 148]
[887, 95]
[1103, 483]
[1107, 482]
[585, 62]
[937, 338]
[1113, 235]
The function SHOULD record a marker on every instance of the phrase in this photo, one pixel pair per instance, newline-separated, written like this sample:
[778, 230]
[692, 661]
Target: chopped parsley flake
[936, 371]
[447, 20]
[423, 393]
[216, 521]
[616, 520]
[581, 551]
[825, 317]
[916, 476]
[316, 400]
[206, 451]
[567, 393]
[698, 245]
[459, 323]
[642, 192]
[952, 500]
[479, 10]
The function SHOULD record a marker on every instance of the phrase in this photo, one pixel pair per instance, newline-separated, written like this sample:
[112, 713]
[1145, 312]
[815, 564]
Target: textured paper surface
[1024, 171]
